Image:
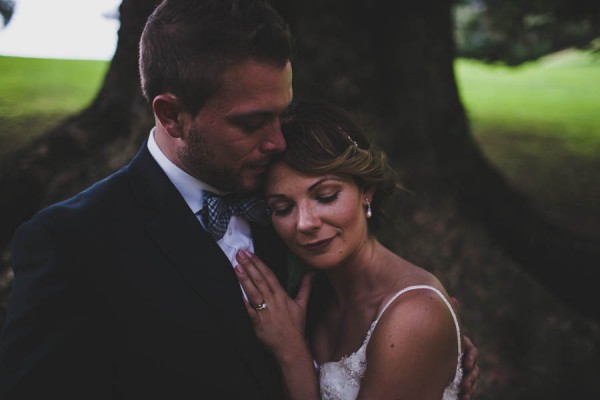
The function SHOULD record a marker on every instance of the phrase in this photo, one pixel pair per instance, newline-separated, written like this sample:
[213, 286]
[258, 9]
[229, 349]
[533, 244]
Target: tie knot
[217, 210]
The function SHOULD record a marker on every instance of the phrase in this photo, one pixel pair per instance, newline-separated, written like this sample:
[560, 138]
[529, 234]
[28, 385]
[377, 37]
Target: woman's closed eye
[283, 208]
[328, 198]
[280, 210]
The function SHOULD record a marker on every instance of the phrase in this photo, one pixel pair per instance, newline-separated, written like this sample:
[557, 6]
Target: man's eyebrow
[250, 114]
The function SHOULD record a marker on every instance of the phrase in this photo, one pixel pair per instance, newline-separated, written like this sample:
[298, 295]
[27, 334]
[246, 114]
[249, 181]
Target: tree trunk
[461, 220]
[508, 266]
[83, 149]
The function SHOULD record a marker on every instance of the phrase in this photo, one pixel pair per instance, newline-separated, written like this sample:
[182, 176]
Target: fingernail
[241, 255]
[238, 269]
[247, 253]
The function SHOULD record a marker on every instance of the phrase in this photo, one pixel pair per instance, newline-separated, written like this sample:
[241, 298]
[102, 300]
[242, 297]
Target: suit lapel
[201, 262]
[271, 249]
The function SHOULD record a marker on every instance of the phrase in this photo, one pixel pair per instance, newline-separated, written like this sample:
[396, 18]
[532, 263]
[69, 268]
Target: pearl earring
[369, 212]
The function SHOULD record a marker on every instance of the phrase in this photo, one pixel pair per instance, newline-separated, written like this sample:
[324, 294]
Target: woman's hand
[278, 319]
[279, 324]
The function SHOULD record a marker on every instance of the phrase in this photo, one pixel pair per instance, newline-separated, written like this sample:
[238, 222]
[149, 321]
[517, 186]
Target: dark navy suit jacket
[120, 293]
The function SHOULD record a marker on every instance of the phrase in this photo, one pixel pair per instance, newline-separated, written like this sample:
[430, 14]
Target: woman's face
[320, 218]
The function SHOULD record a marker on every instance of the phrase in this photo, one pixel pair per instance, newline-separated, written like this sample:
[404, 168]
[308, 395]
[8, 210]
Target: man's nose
[273, 141]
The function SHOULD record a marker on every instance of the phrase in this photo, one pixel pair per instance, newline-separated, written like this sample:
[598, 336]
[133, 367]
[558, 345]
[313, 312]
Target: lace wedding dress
[340, 380]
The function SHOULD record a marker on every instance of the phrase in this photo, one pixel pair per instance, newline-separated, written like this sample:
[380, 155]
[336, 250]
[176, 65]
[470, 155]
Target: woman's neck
[364, 276]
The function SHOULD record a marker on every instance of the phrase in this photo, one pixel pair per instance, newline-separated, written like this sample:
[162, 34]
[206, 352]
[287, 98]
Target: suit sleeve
[50, 344]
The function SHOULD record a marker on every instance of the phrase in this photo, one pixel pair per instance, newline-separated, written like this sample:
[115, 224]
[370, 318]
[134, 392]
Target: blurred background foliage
[7, 8]
[528, 73]
[529, 76]
[38, 93]
[522, 30]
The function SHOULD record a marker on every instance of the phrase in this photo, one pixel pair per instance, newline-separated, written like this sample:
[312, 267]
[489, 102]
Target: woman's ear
[368, 193]
[171, 114]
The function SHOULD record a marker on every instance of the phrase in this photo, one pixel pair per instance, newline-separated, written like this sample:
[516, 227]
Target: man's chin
[253, 183]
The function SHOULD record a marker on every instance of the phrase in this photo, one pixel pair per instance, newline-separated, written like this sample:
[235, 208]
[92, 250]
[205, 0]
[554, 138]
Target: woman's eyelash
[285, 210]
[329, 199]
[280, 211]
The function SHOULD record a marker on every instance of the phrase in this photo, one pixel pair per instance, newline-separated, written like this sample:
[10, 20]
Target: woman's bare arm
[413, 351]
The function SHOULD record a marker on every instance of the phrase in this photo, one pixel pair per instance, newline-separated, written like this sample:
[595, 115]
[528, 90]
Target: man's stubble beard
[200, 161]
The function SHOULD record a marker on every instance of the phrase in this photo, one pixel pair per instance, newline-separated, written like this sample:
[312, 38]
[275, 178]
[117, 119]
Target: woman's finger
[304, 292]
[252, 270]
[454, 302]
[252, 312]
[267, 272]
[260, 273]
[253, 294]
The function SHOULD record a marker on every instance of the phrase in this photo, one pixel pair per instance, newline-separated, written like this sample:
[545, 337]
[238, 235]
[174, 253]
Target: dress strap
[415, 287]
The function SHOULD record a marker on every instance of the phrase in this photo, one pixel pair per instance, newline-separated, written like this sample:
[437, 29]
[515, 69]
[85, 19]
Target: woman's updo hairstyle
[322, 138]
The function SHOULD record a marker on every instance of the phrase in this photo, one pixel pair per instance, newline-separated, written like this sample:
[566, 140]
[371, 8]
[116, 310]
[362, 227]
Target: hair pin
[352, 141]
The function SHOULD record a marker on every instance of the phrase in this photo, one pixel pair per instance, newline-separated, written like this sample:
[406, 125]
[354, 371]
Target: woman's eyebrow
[317, 183]
[276, 196]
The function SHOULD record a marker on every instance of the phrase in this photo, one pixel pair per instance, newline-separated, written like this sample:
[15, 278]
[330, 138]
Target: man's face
[229, 143]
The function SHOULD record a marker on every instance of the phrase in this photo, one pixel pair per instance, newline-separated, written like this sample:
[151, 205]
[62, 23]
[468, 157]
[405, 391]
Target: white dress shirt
[238, 235]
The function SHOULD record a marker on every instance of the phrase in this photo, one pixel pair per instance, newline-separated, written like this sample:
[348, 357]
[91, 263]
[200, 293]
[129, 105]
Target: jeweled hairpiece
[352, 141]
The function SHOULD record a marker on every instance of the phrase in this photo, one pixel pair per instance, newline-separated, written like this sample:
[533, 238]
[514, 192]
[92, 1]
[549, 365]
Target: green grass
[35, 94]
[539, 125]
[557, 96]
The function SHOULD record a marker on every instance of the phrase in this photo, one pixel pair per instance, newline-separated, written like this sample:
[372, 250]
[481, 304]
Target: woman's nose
[308, 219]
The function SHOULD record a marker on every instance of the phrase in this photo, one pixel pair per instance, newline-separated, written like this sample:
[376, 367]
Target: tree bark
[461, 220]
[87, 146]
[83, 149]
[526, 285]
[395, 69]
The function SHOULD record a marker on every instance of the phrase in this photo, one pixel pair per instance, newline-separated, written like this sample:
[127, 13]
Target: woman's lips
[318, 245]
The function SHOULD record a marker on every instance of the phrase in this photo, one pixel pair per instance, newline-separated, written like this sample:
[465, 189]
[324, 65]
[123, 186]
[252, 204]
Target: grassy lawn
[35, 94]
[539, 124]
[557, 96]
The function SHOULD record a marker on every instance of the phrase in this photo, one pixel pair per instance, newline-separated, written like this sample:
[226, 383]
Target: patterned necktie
[218, 210]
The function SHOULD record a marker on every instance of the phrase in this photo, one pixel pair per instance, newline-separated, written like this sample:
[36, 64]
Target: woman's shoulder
[415, 329]
[419, 311]
[416, 305]
[413, 341]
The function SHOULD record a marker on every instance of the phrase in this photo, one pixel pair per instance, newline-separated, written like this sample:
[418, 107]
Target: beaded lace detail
[340, 380]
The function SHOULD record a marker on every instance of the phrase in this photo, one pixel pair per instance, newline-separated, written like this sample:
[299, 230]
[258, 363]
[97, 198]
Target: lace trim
[340, 380]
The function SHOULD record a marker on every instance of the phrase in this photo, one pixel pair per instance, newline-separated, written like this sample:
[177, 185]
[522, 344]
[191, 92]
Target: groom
[127, 289]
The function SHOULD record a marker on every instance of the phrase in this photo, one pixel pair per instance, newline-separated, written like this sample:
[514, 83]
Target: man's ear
[171, 114]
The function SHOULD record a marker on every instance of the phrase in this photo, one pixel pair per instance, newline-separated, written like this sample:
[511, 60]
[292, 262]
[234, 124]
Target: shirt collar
[189, 187]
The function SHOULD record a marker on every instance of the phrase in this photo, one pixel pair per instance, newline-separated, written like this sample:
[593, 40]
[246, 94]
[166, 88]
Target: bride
[380, 327]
